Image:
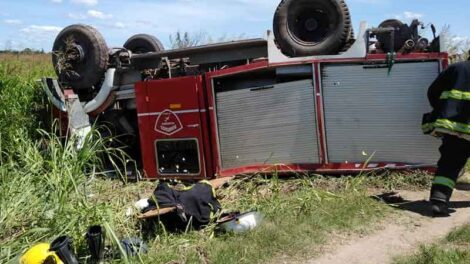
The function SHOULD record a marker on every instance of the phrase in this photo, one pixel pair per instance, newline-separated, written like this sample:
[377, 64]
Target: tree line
[23, 51]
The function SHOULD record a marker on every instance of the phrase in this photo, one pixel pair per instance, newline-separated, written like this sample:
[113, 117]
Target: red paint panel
[162, 104]
[205, 129]
[213, 128]
[144, 127]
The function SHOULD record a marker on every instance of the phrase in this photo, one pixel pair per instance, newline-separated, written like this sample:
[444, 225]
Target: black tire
[351, 35]
[311, 27]
[80, 56]
[350, 41]
[143, 43]
[401, 35]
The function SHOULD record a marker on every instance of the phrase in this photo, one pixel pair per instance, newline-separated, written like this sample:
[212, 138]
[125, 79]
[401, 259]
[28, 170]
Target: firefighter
[449, 96]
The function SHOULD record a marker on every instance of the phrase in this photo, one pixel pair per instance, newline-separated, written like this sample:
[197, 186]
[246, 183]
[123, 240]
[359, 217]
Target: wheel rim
[310, 26]
[75, 54]
[73, 58]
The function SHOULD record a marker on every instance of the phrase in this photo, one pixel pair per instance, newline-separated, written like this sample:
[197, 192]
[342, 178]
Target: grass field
[455, 249]
[48, 188]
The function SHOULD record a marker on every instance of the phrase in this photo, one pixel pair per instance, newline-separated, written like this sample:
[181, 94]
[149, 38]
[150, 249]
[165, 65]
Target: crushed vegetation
[298, 216]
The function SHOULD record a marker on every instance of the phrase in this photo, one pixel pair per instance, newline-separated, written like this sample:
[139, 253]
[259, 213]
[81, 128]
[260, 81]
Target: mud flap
[79, 121]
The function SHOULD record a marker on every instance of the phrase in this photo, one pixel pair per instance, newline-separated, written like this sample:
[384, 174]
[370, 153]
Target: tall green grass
[20, 97]
[44, 195]
[43, 178]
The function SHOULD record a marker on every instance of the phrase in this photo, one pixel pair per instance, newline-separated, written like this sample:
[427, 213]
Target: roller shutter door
[368, 110]
[268, 125]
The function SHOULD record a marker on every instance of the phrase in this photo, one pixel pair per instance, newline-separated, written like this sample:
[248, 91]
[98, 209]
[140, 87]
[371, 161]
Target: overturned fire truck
[312, 96]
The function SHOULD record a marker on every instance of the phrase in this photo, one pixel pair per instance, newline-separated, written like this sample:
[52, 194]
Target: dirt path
[403, 235]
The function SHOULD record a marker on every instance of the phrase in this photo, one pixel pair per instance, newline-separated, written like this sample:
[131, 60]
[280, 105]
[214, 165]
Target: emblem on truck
[168, 123]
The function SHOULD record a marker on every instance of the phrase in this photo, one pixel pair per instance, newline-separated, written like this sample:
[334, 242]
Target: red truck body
[310, 96]
[182, 115]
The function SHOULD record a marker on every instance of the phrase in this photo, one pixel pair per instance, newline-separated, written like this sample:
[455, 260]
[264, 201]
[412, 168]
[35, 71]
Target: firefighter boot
[440, 196]
[440, 209]
[95, 238]
[62, 247]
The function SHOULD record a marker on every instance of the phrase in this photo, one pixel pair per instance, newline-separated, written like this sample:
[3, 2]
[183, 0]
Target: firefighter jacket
[449, 96]
[195, 205]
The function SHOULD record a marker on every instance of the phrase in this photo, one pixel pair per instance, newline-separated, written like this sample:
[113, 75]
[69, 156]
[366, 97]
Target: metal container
[239, 223]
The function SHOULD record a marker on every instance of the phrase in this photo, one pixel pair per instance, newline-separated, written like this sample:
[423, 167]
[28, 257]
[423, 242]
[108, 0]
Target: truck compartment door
[268, 125]
[170, 123]
[369, 111]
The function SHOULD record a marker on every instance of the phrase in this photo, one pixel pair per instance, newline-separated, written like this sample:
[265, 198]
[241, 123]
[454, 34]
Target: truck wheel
[350, 41]
[143, 43]
[80, 56]
[401, 35]
[311, 27]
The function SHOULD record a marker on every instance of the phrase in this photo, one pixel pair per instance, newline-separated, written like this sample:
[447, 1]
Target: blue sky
[35, 23]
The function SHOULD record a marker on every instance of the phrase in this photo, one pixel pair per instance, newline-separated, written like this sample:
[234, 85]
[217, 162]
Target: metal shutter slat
[268, 126]
[367, 110]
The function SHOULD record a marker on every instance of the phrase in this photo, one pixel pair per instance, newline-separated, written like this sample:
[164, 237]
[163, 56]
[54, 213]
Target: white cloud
[56, 1]
[77, 16]
[39, 36]
[98, 14]
[460, 38]
[34, 29]
[116, 25]
[85, 2]
[144, 22]
[408, 15]
[412, 15]
[89, 14]
[12, 21]
[119, 25]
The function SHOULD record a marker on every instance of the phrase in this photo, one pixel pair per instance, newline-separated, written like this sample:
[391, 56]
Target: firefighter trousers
[455, 153]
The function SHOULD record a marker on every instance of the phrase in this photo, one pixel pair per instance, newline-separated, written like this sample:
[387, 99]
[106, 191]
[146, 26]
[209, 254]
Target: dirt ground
[404, 233]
